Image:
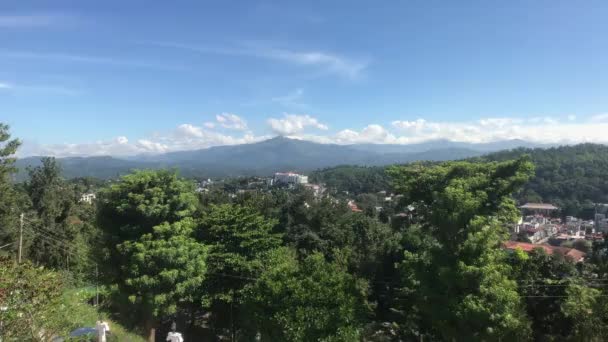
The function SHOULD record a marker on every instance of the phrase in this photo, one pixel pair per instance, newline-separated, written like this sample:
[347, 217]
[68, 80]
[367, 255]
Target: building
[289, 178]
[601, 223]
[317, 190]
[569, 253]
[353, 207]
[537, 227]
[88, 198]
[539, 208]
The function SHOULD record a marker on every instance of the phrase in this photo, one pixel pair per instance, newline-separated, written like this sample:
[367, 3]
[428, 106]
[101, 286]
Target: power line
[60, 246]
[8, 244]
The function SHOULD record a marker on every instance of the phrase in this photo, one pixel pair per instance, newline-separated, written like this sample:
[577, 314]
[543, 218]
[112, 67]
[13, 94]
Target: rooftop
[571, 253]
[539, 206]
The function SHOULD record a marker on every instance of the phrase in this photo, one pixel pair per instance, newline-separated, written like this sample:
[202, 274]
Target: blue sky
[125, 77]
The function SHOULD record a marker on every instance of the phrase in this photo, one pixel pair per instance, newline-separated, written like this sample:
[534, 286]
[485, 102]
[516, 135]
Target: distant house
[88, 198]
[353, 207]
[569, 253]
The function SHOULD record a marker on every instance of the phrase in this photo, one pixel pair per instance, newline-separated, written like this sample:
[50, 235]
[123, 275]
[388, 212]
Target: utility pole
[20, 236]
[96, 286]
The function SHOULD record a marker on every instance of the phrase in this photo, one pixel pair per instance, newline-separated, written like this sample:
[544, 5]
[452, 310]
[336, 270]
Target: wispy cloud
[292, 99]
[39, 88]
[231, 121]
[35, 20]
[70, 58]
[328, 62]
[331, 63]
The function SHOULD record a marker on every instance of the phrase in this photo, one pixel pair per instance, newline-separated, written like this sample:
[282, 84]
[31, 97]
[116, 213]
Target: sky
[128, 77]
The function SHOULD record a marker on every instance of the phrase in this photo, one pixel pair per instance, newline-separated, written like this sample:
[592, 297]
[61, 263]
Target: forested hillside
[572, 177]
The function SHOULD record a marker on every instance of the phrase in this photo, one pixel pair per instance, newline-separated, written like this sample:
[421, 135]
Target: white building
[289, 178]
[88, 198]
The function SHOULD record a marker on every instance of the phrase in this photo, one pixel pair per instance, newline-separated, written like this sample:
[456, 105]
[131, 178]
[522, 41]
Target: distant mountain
[99, 167]
[447, 144]
[266, 157]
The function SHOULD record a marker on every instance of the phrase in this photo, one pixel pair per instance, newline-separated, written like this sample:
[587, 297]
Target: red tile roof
[571, 253]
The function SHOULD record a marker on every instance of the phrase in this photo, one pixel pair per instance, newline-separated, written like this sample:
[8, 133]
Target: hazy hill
[266, 157]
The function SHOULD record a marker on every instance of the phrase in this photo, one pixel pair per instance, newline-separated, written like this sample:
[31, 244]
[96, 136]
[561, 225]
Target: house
[88, 198]
[569, 253]
[353, 206]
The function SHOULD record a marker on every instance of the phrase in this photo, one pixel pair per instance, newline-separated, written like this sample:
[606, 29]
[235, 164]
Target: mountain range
[272, 155]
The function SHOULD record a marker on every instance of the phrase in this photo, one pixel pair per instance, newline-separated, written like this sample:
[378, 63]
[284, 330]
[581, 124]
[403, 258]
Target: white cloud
[599, 118]
[371, 134]
[149, 146]
[536, 129]
[231, 121]
[292, 123]
[415, 125]
[189, 137]
[183, 137]
[189, 131]
[209, 125]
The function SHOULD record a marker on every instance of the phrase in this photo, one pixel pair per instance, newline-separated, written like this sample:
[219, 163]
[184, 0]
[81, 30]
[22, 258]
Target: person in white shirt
[102, 327]
[173, 335]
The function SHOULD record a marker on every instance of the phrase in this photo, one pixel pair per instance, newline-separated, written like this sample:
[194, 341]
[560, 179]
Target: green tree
[9, 212]
[55, 233]
[588, 310]
[165, 272]
[238, 238]
[151, 258]
[367, 203]
[542, 282]
[455, 276]
[311, 300]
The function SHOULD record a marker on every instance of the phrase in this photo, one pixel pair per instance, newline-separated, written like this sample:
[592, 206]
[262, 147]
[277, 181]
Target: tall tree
[8, 211]
[455, 276]
[52, 201]
[151, 257]
[238, 238]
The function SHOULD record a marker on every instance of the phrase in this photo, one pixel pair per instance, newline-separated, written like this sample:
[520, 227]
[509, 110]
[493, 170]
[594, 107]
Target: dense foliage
[353, 179]
[572, 177]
